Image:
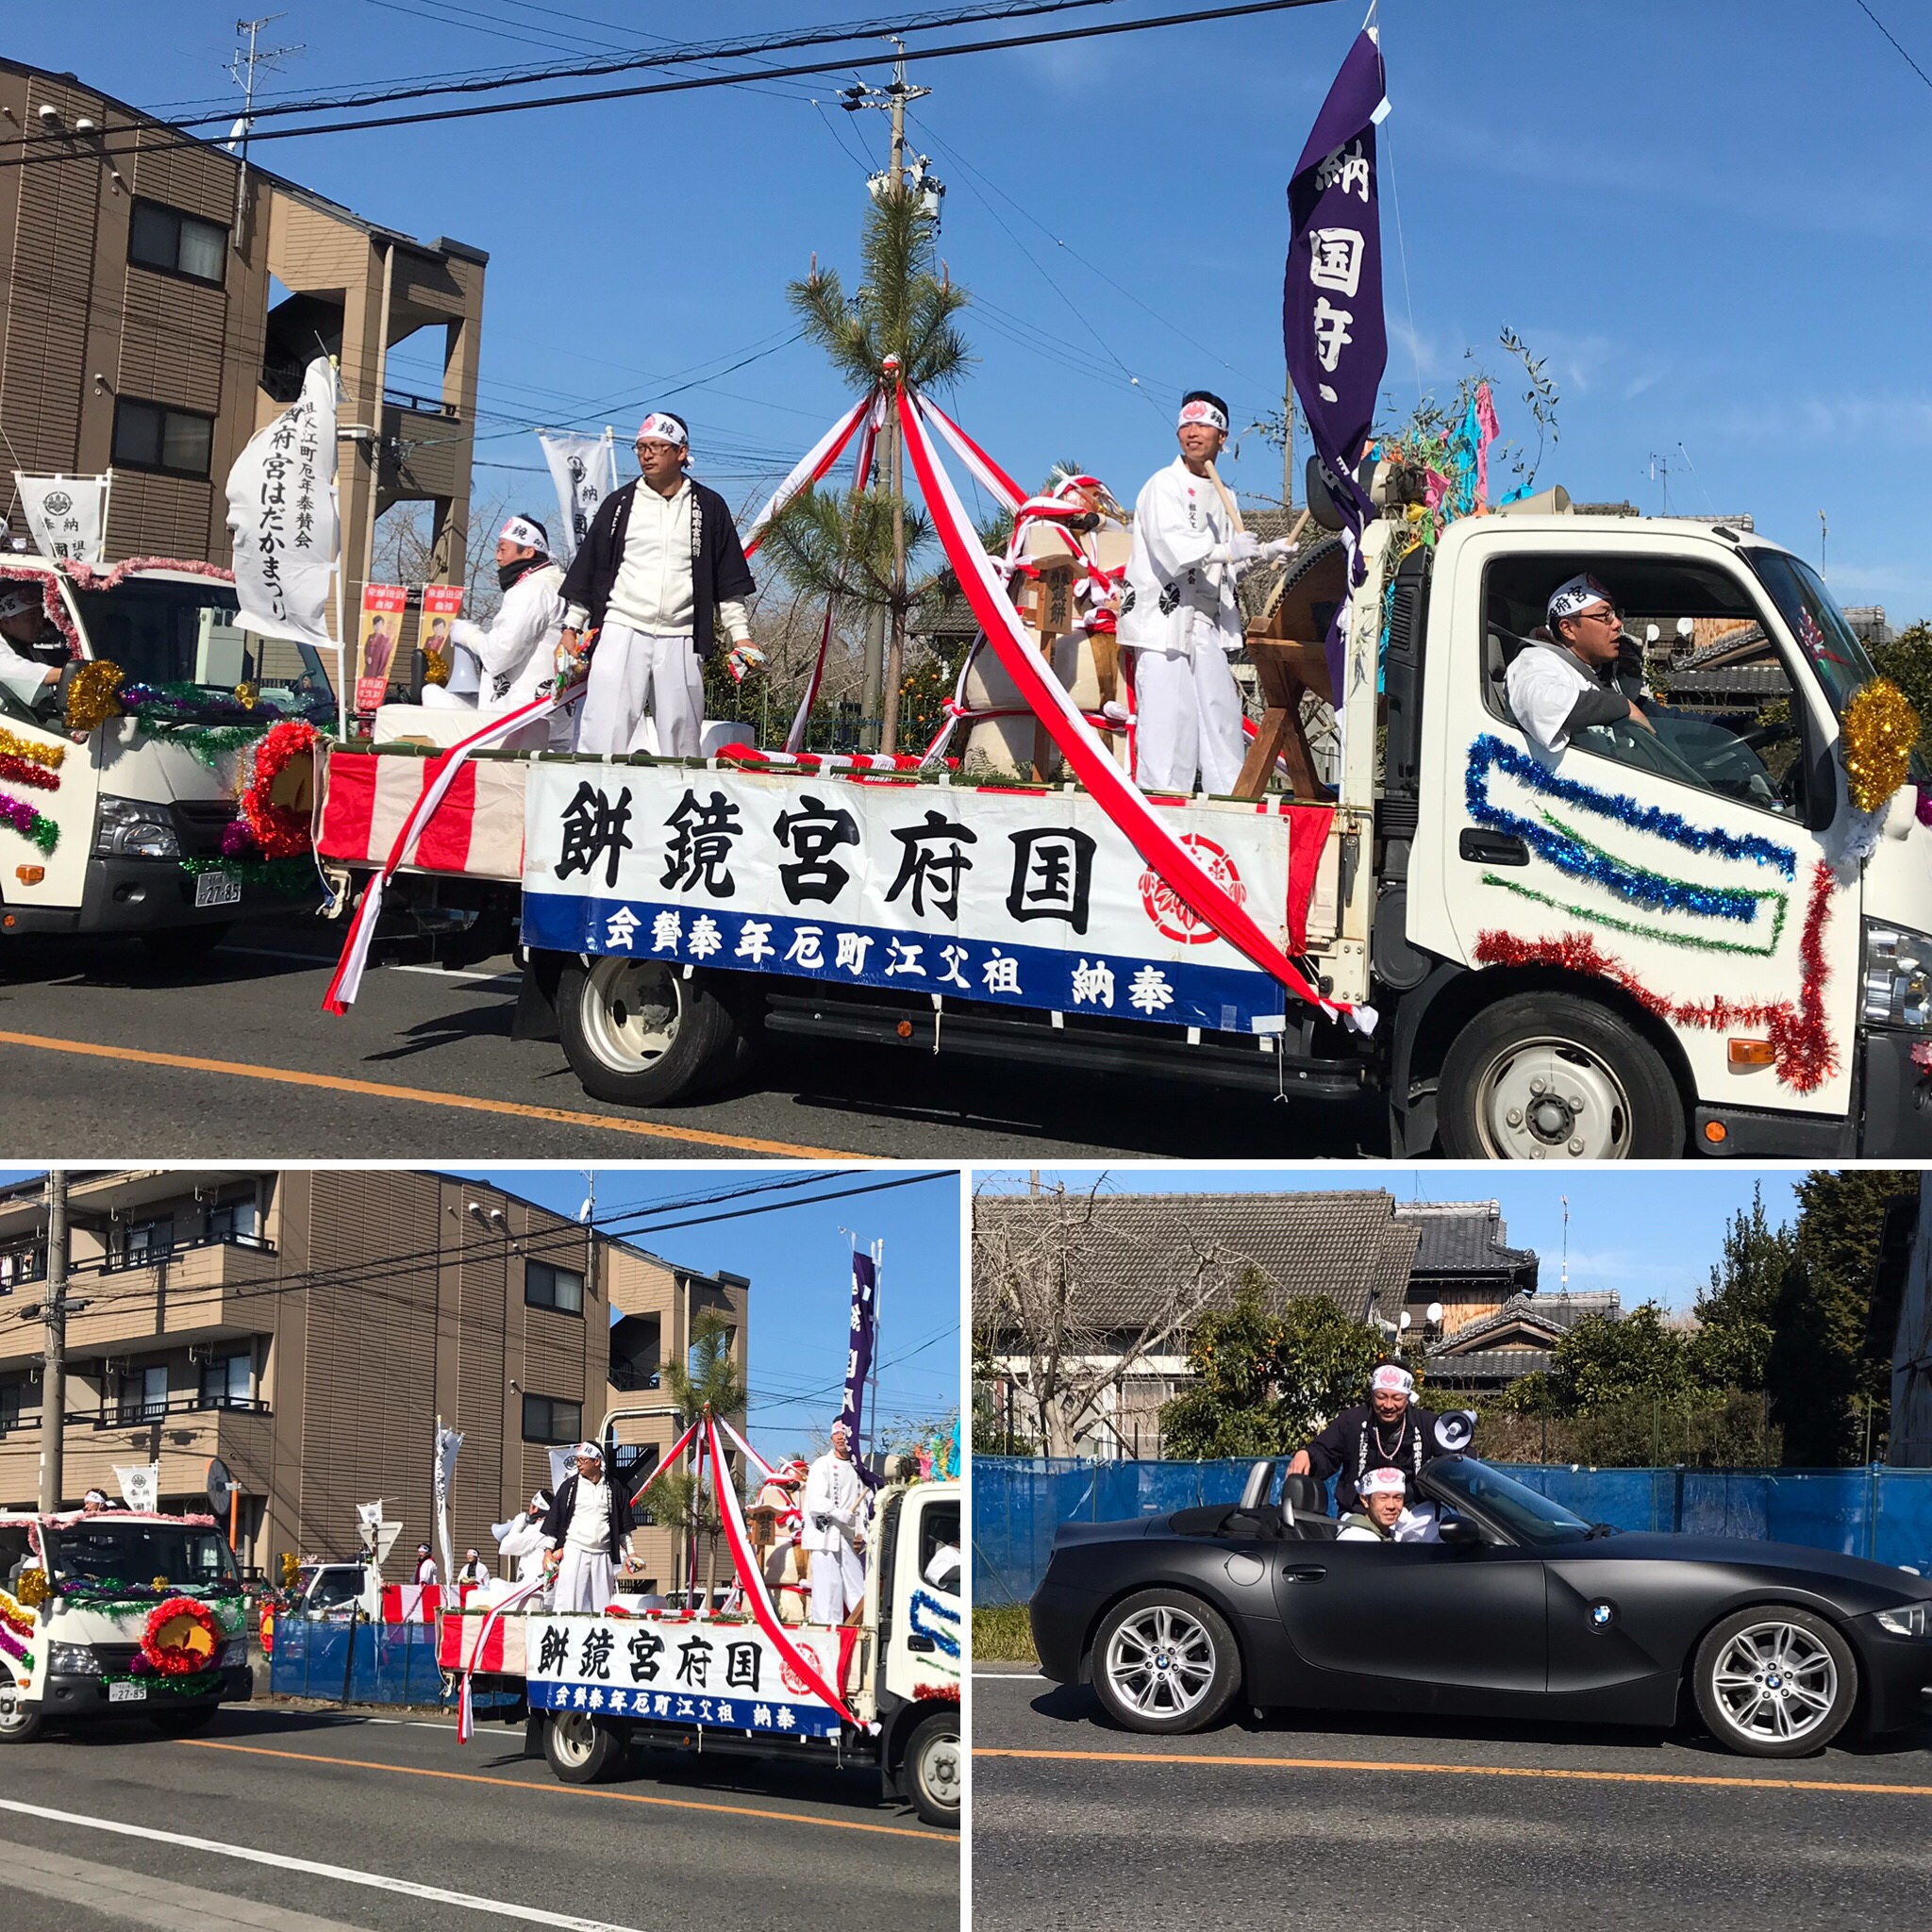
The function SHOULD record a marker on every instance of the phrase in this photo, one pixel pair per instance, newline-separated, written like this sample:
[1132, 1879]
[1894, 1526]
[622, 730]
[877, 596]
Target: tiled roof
[1553, 1315]
[1126, 1258]
[1465, 1238]
[1488, 1365]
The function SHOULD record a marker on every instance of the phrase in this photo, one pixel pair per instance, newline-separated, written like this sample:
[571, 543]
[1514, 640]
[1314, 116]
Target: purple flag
[1331, 296]
[865, 1284]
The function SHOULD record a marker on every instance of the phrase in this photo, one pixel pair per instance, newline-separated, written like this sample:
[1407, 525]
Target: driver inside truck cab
[22, 626]
[1566, 678]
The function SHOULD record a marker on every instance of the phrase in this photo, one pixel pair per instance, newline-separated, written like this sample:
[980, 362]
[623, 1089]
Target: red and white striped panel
[478, 829]
[504, 1650]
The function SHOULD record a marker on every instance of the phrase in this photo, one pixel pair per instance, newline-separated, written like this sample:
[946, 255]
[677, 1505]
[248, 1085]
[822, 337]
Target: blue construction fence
[393, 1663]
[1018, 1502]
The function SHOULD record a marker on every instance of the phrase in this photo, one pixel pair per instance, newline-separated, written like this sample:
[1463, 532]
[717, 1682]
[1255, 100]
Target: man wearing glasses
[1565, 681]
[659, 572]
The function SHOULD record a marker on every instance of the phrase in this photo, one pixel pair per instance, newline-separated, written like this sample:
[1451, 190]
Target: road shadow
[477, 1022]
[124, 965]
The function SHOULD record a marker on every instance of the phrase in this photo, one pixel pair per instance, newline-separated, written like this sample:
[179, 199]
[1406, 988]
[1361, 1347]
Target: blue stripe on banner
[1114, 986]
[780, 1718]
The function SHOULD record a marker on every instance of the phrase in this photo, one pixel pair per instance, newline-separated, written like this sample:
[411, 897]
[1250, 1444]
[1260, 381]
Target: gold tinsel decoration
[32, 1589]
[1879, 731]
[247, 695]
[435, 668]
[90, 698]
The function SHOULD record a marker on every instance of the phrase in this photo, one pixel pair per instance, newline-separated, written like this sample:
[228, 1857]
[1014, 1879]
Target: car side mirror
[1459, 1531]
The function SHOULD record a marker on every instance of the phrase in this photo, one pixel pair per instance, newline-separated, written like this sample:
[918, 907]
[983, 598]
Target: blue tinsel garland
[1580, 859]
[930, 1617]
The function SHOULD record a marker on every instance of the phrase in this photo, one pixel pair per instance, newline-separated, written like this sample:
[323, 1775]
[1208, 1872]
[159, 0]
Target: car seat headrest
[1305, 1493]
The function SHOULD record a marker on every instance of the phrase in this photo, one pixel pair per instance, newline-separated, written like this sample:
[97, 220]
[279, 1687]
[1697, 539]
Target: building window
[150, 436]
[147, 1242]
[144, 1395]
[235, 1221]
[9, 1406]
[177, 244]
[227, 1382]
[17, 1265]
[545, 1287]
[549, 1419]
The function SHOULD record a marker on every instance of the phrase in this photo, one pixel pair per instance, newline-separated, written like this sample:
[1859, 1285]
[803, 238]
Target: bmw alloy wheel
[1160, 1662]
[1775, 1682]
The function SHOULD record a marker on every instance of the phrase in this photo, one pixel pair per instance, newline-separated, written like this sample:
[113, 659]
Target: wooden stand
[1285, 668]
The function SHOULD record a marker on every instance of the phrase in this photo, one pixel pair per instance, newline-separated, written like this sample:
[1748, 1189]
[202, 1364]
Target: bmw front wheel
[1165, 1662]
[1775, 1682]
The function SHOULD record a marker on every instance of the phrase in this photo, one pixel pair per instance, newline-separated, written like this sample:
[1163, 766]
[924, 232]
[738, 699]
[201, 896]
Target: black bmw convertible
[1521, 1611]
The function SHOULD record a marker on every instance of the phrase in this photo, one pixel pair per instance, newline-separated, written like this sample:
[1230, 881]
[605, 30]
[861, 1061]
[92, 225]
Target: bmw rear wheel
[1165, 1662]
[1775, 1682]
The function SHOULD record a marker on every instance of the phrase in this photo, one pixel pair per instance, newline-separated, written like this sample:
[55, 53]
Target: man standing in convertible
[1387, 1431]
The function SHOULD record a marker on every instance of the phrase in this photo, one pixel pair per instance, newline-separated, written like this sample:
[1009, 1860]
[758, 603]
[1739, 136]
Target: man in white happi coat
[1386, 1516]
[1179, 613]
[425, 1564]
[522, 1540]
[590, 1527]
[499, 666]
[834, 1534]
[1566, 678]
[24, 625]
[659, 573]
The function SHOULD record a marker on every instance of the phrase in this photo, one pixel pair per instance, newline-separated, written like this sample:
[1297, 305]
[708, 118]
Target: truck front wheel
[935, 1771]
[582, 1750]
[1550, 1076]
[637, 1033]
[17, 1726]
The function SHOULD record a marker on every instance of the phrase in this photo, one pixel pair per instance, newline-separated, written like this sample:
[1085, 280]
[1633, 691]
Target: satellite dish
[220, 1486]
[1455, 1431]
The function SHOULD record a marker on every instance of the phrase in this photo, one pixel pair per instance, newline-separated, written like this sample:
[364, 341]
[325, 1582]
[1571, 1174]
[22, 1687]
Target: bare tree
[405, 551]
[1047, 1317]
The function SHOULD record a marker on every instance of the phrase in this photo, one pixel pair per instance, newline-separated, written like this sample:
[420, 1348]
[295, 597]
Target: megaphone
[1455, 1431]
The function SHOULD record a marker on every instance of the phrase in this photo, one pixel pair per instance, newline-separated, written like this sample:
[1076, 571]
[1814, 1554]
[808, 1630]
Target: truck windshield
[171, 633]
[99, 1549]
[1836, 650]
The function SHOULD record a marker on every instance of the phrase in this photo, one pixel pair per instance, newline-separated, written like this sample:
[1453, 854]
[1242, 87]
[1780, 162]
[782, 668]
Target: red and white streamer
[808, 469]
[764, 1469]
[1119, 796]
[347, 981]
[753, 1579]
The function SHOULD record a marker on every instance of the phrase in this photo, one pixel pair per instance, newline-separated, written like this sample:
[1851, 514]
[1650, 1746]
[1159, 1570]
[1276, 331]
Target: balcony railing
[419, 405]
[115, 1264]
[631, 1376]
[131, 1414]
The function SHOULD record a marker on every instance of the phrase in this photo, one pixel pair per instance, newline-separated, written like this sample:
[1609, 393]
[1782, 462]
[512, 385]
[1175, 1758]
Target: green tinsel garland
[208, 744]
[198, 1686]
[283, 875]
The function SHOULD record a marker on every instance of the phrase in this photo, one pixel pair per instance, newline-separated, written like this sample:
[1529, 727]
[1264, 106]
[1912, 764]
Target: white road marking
[326, 960]
[410, 1723]
[343, 1874]
[1015, 1676]
[460, 972]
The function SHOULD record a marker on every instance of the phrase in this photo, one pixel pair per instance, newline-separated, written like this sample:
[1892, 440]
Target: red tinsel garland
[86, 577]
[175, 1660]
[1803, 1053]
[280, 832]
[28, 772]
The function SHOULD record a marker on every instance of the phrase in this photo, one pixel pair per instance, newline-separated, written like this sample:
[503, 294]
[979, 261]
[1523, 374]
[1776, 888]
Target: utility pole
[53, 1364]
[1660, 470]
[1287, 451]
[241, 72]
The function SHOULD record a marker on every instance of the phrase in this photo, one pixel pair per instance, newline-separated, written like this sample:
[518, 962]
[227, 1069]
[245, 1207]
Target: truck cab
[140, 808]
[117, 1613]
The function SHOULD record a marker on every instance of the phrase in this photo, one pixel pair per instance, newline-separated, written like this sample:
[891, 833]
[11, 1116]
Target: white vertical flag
[584, 468]
[447, 1443]
[282, 516]
[67, 515]
[141, 1485]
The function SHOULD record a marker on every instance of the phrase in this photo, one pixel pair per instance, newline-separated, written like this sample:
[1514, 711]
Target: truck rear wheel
[935, 1770]
[637, 1033]
[1550, 1076]
[582, 1750]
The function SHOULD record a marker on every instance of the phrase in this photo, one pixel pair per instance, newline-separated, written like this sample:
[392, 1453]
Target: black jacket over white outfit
[563, 1506]
[1359, 1441]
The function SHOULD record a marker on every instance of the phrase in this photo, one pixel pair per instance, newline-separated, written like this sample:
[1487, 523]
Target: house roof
[1465, 1238]
[1551, 1317]
[1486, 1365]
[1127, 1253]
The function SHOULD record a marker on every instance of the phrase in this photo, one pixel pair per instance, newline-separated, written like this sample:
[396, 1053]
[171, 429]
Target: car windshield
[101, 1549]
[1526, 1516]
[185, 634]
[335, 1587]
[1836, 650]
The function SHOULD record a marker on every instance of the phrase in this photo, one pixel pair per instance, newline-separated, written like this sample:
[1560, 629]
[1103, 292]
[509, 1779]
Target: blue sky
[1709, 218]
[1651, 1234]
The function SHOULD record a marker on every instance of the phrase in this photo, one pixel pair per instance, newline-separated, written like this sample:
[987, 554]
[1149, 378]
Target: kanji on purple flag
[1331, 298]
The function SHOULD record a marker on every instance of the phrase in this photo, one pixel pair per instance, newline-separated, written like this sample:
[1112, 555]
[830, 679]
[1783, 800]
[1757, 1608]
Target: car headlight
[72, 1660]
[1913, 1621]
[234, 1653]
[133, 828]
[1897, 976]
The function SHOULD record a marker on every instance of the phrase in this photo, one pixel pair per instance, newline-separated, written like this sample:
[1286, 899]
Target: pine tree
[1737, 1313]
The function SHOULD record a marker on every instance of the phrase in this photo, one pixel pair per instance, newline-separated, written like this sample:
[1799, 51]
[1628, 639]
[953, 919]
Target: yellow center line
[513, 1784]
[1608, 1778]
[375, 1089]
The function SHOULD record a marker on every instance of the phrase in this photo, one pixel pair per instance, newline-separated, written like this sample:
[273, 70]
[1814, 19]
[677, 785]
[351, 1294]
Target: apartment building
[158, 303]
[308, 1326]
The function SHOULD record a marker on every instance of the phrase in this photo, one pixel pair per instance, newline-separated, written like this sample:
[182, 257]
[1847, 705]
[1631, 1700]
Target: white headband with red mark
[520, 531]
[1390, 1381]
[1200, 411]
[1382, 1482]
[658, 427]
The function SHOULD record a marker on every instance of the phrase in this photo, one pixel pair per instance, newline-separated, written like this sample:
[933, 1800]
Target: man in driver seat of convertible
[1387, 1431]
[1385, 1516]
[1578, 670]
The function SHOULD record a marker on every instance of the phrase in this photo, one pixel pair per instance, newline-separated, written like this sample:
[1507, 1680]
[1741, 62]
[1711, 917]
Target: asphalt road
[105, 1057]
[1396, 1823]
[394, 1806]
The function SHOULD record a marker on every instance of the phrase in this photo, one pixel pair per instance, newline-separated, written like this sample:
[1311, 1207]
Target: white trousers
[634, 672]
[838, 1582]
[1188, 709]
[586, 1580]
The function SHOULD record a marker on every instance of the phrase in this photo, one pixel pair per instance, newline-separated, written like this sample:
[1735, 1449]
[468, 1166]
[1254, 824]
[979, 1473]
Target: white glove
[1244, 548]
[1276, 550]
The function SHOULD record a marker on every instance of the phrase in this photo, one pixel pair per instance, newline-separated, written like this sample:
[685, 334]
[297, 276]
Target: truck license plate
[127, 1693]
[216, 888]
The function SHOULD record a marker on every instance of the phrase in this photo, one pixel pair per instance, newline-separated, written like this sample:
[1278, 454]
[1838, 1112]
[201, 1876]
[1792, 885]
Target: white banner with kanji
[682, 1672]
[1029, 898]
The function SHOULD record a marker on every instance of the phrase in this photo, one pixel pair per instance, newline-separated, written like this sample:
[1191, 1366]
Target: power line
[1894, 39]
[148, 142]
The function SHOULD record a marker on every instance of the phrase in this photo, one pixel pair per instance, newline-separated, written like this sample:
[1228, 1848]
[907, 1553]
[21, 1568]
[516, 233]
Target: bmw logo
[1602, 1616]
